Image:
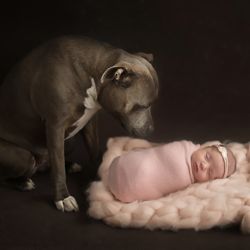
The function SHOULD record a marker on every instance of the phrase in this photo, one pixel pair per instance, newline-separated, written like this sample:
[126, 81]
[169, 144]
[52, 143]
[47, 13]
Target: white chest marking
[91, 107]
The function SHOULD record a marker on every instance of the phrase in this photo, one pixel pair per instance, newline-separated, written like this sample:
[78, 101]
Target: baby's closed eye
[207, 157]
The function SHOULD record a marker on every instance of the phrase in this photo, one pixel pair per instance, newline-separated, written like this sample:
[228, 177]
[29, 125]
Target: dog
[55, 92]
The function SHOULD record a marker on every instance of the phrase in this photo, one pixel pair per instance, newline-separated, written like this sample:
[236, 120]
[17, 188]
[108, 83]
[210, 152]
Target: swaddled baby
[150, 173]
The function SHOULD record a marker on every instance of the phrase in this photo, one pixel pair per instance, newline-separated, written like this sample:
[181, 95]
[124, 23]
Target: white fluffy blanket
[200, 206]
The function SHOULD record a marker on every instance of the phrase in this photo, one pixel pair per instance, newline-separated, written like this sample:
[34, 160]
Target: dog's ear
[120, 75]
[148, 56]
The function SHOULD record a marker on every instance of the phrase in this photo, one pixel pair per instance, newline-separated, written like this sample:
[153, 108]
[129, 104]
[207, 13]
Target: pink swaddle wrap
[151, 173]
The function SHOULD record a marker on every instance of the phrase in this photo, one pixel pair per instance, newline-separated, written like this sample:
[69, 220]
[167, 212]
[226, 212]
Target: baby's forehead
[212, 148]
[217, 161]
[213, 151]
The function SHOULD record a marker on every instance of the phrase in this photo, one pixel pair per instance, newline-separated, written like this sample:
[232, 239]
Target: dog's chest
[91, 107]
[80, 123]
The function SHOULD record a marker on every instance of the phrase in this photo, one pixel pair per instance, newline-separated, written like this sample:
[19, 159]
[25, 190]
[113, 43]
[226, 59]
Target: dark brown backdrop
[202, 55]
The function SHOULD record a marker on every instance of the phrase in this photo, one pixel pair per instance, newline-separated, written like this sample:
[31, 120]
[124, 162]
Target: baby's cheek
[201, 177]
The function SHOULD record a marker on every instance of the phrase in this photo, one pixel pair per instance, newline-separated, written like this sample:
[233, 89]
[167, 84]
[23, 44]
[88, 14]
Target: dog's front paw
[68, 204]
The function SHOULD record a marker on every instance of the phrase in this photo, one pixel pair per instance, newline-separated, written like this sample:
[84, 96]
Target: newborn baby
[150, 173]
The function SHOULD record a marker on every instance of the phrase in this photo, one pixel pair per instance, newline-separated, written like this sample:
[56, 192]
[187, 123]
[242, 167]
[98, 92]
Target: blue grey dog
[55, 91]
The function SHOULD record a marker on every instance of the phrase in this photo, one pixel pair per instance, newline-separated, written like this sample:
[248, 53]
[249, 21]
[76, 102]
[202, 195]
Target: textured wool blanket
[200, 206]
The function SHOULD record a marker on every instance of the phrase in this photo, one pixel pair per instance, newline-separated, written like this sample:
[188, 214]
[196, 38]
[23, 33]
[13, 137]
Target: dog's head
[128, 90]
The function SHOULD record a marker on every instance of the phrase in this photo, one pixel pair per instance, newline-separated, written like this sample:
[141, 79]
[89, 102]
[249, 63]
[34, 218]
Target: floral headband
[223, 151]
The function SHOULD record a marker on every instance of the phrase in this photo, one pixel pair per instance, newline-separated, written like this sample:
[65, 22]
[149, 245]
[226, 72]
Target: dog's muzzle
[142, 132]
[139, 127]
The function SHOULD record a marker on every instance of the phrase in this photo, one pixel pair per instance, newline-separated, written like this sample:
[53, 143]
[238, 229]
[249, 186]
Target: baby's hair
[231, 161]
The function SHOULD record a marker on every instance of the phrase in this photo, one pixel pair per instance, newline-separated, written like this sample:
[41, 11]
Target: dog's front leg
[55, 144]
[91, 139]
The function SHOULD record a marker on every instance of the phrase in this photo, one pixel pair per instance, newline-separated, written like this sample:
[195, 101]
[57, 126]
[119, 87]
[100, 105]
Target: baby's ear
[232, 162]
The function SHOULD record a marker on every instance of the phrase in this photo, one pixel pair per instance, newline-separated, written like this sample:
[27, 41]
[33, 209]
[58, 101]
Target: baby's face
[207, 164]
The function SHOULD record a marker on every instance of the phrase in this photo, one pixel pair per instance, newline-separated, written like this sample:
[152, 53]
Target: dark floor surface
[30, 221]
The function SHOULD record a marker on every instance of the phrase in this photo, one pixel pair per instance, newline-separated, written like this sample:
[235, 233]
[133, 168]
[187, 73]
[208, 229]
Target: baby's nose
[203, 166]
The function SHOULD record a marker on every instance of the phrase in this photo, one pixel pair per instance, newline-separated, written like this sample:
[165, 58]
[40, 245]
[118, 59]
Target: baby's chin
[198, 178]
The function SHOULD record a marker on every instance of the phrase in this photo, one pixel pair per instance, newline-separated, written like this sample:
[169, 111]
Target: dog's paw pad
[75, 168]
[26, 185]
[68, 204]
